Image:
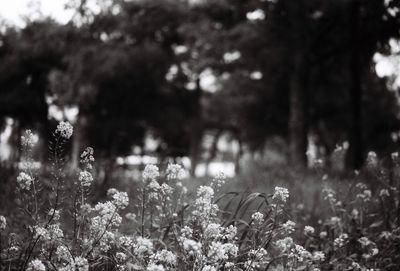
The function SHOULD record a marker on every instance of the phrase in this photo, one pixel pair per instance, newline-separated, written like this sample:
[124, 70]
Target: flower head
[280, 194]
[24, 181]
[65, 129]
[85, 178]
[175, 171]
[28, 139]
[150, 172]
[36, 265]
[258, 218]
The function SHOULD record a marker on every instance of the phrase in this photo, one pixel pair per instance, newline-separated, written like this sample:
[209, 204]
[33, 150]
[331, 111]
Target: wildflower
[63, 253]
[121, 257]
[203, 206]
[355, 266]
[230, 232]
[355, 213]
[329, 195]
[341, 240]
[191, 246]
[374, 251]
[281, 194]
[335, 220]
[150, 172]
[107, 239]
[28, 139]
[81, 264]
[216, 252]
[213, 231]
[65, 129]
[364, 241]
[372, 159]
[209, 268]
[318, 256]
[365, 195]
[54, 213]
[323, 234]
[166, 190]
[24, 181]
[308, 230]
[186, 232]
[87, 157]
[125, 241]
[40, 232]
[36, 265]
[258, 218]
[155, 267]
[219, 180]
[85, 178]
[385, 235]
[284, 244]
[384, 193]
[143, 245]
[288, 226]
[121, 199]
[300, 253]
[230, 249]
[165, 256]
[361, 186]
[3, 223]
[175, 171]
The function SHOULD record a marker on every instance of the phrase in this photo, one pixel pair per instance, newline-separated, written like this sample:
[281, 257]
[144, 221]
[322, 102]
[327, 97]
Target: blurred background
[236, 86]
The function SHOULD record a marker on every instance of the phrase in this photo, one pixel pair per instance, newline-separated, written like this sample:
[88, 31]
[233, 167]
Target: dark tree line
[306, 68]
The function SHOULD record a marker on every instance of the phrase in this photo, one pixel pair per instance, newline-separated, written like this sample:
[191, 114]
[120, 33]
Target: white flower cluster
[120, 199]
[308, 230]
[36, 265]
[150, 172]
[288, 227]
[28, 139]
[85, 178]
[87, 157]
[165, 257]
[24, 181]
[341, 240]
[280, 194]
[143, 246]
[300, 253]
[219, 180]
[175, 172]
[191, 246]
[65, 129]
[284, 244]
[204, 207]
[258, 218]
[218, 251]
[318, 256]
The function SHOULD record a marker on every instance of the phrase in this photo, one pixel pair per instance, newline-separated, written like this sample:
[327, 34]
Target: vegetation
[165, 228]
[286, 69]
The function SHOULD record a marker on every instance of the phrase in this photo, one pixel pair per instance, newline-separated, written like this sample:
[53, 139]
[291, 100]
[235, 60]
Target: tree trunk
[355, 153]
[79, 140]
[297, 114]
[196, 129]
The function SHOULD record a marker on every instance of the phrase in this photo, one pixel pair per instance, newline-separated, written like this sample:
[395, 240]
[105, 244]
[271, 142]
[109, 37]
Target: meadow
[266, 219]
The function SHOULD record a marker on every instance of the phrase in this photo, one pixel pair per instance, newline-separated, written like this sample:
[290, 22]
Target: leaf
[376, 224]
